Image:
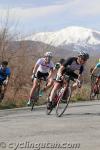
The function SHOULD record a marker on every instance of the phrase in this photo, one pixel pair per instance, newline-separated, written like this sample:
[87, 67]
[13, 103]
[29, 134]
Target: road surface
[79, 128]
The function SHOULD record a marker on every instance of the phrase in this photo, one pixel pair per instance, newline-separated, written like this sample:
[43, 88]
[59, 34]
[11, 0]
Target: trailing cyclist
[96, 68]
[59, 63]
[4, 78]
[69, 67]
[43, 69]
[56, 67]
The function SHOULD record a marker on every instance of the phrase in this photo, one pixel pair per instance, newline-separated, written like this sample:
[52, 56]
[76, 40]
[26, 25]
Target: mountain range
[71, 38]
[69, 35]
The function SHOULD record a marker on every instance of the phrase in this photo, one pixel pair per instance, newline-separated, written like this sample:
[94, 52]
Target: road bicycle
[58, 102]
[95, 89]
[36, 96]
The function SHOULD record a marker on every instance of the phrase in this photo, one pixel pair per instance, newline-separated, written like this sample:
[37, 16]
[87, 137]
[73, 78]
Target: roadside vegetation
[21, 60]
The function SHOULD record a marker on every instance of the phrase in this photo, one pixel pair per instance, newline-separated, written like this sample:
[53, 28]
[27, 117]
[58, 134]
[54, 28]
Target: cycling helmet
[57, 66]
[5, 63]
[62, 60]
[48, 54]
[84, 55]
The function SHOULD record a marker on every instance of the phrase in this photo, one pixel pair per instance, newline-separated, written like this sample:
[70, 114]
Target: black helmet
[84, 55]
[5, 63]
[62, 60]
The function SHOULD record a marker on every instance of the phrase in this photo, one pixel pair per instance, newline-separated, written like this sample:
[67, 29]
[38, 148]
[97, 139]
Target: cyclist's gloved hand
[5, 82]
[79, 83]
[32, 77]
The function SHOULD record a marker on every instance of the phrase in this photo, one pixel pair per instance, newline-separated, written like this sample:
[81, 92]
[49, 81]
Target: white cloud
[26, 13]
[87, 8]
[70, 7]
[42, 11]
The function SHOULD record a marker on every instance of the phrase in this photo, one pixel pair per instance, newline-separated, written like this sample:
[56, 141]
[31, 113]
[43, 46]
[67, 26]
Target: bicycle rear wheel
[92, 97]
[32, 104]
[62, 105]
[98, 94]
[35, 98]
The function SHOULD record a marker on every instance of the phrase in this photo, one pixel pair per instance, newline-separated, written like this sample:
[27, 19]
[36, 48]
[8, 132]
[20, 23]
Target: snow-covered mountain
[70, 35]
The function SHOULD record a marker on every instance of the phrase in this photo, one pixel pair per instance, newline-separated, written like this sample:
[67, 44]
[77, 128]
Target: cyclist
[4, 78]
[69, 67]
[54, 74]
[97, 66]
[43, 69]
[57, 66]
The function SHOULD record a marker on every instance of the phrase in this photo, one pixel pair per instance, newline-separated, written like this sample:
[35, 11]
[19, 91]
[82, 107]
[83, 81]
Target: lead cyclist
[69, 67]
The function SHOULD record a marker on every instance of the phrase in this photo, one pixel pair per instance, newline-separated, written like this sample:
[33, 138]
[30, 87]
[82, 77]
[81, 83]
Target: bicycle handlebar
[92, 75]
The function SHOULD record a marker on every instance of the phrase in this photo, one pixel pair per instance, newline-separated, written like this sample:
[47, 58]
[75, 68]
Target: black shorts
[71, 74]
[40, 75]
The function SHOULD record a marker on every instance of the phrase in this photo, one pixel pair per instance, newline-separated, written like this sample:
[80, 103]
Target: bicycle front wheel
[63, 104]
[32, 104]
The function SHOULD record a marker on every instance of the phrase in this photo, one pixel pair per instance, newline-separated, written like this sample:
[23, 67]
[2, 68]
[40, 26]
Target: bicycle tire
[59, 111]
[98, 94]
[35, 98]
[32, 104]
[91, 96]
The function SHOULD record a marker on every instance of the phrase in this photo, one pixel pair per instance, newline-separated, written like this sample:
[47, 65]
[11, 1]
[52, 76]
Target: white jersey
[43, 67]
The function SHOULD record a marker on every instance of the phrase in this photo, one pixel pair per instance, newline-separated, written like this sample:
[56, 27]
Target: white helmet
[48, 54]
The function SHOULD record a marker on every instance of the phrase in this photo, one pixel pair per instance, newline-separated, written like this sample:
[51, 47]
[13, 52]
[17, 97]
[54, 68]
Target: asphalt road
[79, 128]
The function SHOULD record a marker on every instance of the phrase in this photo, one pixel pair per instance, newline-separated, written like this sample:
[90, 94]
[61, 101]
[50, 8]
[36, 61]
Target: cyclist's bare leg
[4, 88]
[65, 88]
[96, 86]
[2, 91]
[56, 86]
[33, 88]
[74, 87]
[49, 84]
[98, 80]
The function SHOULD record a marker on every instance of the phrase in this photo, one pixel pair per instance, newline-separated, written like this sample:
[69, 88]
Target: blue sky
[51, 15]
